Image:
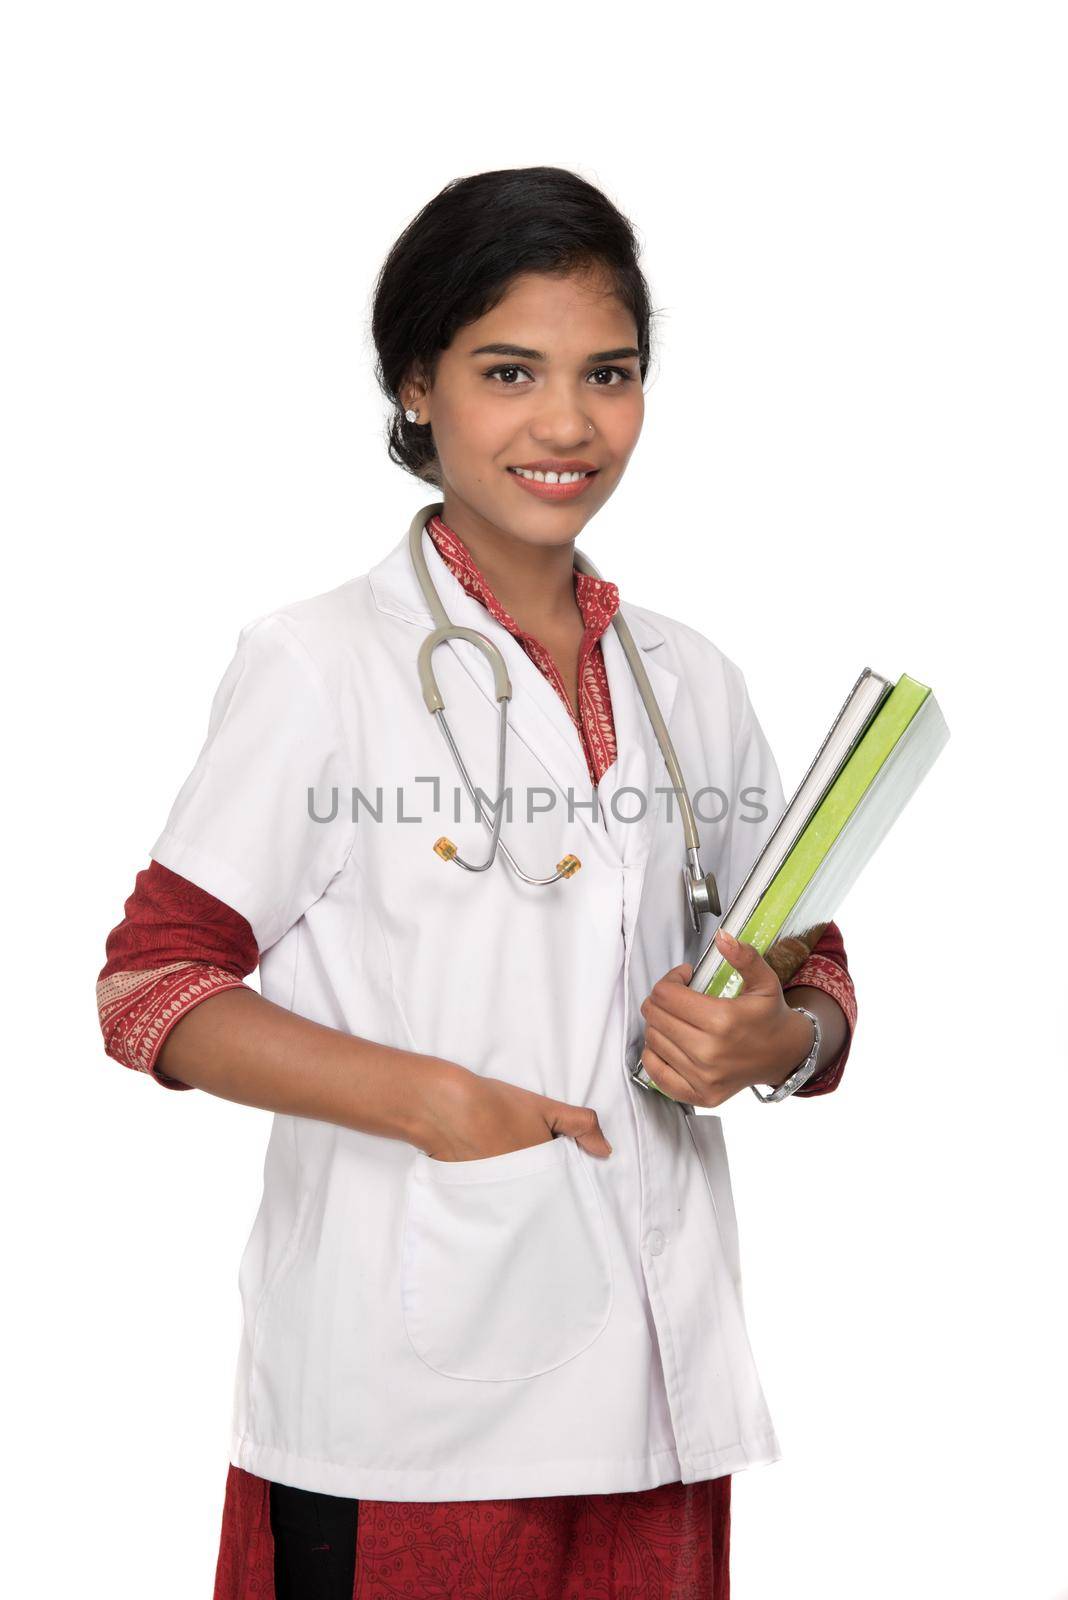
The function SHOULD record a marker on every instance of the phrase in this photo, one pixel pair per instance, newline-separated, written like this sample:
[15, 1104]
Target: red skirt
[667, 1543]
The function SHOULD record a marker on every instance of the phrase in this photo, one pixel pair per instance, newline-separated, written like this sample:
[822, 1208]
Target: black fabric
[314, 1544]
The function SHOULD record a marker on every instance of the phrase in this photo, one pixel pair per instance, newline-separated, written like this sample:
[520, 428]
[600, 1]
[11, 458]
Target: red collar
[598, 598]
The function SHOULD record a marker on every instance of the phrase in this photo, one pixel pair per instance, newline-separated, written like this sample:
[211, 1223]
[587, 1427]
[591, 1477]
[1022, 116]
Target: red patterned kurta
[176, 947]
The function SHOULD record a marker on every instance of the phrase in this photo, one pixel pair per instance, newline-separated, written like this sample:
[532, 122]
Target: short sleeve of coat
[261, 822]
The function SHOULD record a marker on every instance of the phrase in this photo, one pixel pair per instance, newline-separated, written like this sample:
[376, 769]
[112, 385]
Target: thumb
[580, 1123]
[680, 974]
[760, 978]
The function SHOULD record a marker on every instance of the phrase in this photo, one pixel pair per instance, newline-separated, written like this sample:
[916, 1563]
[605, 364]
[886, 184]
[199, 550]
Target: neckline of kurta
[597, 598]
[598, 601]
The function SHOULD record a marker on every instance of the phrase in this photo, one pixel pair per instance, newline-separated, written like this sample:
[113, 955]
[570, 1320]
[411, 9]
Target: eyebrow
[538, 355]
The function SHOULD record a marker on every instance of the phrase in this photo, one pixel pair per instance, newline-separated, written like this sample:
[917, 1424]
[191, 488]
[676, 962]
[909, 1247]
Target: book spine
[823, 828]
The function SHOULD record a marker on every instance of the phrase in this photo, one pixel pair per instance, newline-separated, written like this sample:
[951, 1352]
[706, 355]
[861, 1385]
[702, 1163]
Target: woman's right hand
[468, 1116]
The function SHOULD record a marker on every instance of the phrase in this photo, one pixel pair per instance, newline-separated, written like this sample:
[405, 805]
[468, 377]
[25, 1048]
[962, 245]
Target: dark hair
[455, 260]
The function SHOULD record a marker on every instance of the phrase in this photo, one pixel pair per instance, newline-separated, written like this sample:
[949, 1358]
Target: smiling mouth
[551, 477]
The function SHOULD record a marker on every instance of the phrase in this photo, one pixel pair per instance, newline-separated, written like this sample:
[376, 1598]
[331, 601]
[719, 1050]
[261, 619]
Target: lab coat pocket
[707, 1131]
[505, 1270]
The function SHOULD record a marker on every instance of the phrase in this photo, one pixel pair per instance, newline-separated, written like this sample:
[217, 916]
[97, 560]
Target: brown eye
[493, 371]
[621, 373]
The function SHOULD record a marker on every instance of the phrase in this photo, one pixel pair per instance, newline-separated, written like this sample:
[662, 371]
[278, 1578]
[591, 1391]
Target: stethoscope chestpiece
[700, 890]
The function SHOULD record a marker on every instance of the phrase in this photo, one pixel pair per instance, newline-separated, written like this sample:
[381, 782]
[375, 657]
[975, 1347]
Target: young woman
[494, 1339]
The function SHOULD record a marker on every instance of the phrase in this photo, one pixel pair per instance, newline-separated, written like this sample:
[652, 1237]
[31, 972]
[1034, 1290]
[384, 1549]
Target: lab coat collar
[396, 591]
[536, 714]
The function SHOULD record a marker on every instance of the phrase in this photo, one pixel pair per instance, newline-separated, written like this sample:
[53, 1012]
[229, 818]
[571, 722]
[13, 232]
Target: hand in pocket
[472, 1117]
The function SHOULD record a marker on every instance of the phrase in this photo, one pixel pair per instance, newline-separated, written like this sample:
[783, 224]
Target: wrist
[438, 1089]
[803, 1071]
[801, 1038]
[832, 1018]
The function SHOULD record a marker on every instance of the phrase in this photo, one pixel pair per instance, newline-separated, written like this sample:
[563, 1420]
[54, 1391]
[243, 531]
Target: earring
[590, 426]
[411, 415]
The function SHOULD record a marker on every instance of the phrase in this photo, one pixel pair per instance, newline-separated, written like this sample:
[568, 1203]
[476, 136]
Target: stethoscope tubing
[444, 629]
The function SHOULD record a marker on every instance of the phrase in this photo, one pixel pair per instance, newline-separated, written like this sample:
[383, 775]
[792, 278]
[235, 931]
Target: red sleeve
[828, 969]
[176, 946]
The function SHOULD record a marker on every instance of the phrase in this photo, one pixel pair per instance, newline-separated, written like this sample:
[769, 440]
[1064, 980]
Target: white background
[854, 454]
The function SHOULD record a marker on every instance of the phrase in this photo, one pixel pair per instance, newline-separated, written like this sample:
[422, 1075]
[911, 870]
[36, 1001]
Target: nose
[562, 422]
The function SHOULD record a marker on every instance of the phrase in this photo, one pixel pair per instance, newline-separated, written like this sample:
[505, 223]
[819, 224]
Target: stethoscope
[702, 896]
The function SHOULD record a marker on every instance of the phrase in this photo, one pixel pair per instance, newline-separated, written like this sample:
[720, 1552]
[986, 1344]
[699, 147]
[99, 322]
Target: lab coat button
[656, 1242]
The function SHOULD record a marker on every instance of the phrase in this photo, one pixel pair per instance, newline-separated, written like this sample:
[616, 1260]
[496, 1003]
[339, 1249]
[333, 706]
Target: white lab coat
[543, 1321]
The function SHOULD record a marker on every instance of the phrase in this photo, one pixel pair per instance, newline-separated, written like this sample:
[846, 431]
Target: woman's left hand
[702, 1049]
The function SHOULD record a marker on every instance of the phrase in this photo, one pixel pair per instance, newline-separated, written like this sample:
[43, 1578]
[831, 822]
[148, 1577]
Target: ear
[415, 392]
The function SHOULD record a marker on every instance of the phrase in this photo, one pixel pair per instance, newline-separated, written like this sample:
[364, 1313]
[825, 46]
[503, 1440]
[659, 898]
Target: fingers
[680, 974]
[581, 1124]
[682, 1063]
[684, 1032]
[674, 994]
[673, 1084]
[681, 1001]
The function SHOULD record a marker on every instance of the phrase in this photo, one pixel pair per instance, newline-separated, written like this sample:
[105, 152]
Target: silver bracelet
[800, 1075]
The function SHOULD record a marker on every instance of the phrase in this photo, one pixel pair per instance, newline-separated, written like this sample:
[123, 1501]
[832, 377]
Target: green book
[880, 747]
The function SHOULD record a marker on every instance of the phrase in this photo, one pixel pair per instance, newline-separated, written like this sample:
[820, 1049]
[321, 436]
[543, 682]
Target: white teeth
[548, 477]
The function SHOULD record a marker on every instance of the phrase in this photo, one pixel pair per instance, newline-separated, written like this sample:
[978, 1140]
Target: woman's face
[566, 357]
